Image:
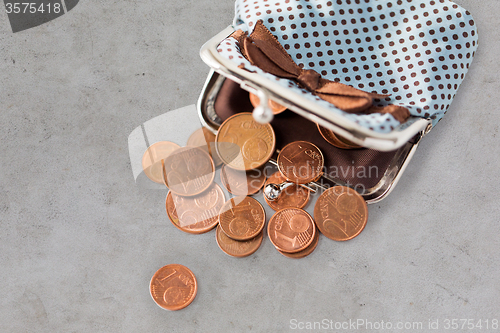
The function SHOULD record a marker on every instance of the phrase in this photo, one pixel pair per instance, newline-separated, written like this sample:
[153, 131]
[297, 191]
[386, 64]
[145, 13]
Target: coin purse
[415, 53]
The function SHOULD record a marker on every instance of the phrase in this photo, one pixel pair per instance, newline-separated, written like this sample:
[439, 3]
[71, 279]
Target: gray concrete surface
[79, 240]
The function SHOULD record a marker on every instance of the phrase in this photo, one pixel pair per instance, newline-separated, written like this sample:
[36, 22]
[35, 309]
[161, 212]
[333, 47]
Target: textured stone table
[80, 240]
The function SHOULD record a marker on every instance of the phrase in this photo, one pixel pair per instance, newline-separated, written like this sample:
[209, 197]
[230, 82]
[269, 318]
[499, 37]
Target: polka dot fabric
[417, 51]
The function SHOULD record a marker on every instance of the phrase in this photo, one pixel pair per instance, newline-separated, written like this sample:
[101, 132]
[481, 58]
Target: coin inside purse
[372, 173]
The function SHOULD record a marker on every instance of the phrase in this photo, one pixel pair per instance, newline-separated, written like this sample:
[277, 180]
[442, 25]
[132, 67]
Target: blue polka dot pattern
[417, 51]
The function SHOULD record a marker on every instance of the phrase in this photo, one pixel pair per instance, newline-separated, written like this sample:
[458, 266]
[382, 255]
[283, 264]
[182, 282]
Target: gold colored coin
[205, 140]
[275, 107]
[291, 230]
[301, 162]
[188, 171]
[244, 144]
[151, 160]
[236, 248]
[341, 213]
[242, 182]
[242, 218]
[173, 287]
[336, 140]
[307, 251]
[197, 214]
[292, 196]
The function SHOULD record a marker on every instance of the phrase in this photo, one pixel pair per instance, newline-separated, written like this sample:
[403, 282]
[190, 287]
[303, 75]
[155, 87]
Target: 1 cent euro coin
[304, 253]
[242, 218]
[291, 230]
[341, 213]
[236, 248]
[188, 171]
[292, 196]
[244, 144]
[173, 287]
[197, 214]
[239, 182]
[301, 162]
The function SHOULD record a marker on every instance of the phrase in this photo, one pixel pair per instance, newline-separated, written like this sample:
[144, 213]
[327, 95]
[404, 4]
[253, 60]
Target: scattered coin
[244, 144]
[340, 213]
[195, 204]
[205, 139]
[238, 248]
[242, 218]
[239, 182]
[292, 196]
[336, 140]
[304, 253]
[173, 287]
[189, 171]
[198, 214]
[291, 230]
[151, 160]
[301, 162]
[275, 107]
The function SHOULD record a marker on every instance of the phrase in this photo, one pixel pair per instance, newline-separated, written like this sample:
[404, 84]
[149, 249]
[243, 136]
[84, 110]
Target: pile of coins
[196, 204]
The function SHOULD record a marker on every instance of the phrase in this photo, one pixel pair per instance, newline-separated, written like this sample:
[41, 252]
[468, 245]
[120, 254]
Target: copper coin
[340, 213]
[275, 107]
[292, 196]
[301, 162]
[242, 182]
[242, 218]
[351, 144]
[307, 251]
[236, 248]
[151, 160]
[198, 214]
[189, 171]
[244, 144]
[291, 230]
[205, 139]
[173, 287]
[336, 140]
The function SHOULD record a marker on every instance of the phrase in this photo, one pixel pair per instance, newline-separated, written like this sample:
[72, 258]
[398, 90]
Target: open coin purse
[416, 53]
